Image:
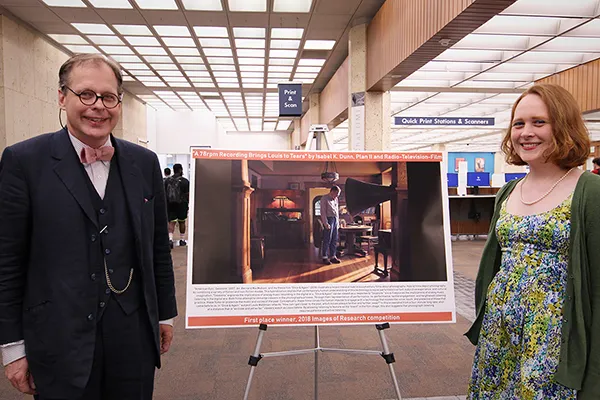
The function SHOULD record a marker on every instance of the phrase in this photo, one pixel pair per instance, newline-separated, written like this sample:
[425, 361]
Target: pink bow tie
[89, 155]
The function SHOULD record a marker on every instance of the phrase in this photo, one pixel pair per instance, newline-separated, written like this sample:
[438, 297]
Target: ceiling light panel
[214, 42]
[309, 69]
[283, 53]
[220, 60]
[198, 74]
[69, 39]
[179, 42]
[250, 43]
[287, 33]
[93, 29]
[311, 62]
[523, 25]
[151, 51]
[285, 44]
[158, 59]
[184, 51]
[250, 53]
[223, 67]
[211, 31]
[579, 8]
[252, 68]
[134, 30]
[203, 5]
[157, 4]
[249, 32]
[225, 74]
[126, 59]
[248, 5]
[172, 30]
[65, 3]
[111, 3]
[194, 67]
[292, 6]
[135, 66]
[189, 60]
[212, 52]
[252, 74]
[165, 67]
[81, 49]
[251, 61]
[281, 61]
[498, 42]
[142, 41]
[277, 68]
[116, 49]
[319, 44]
[571, 44]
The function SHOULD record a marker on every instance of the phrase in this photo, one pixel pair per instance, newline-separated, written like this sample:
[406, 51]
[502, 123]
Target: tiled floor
[431, 359]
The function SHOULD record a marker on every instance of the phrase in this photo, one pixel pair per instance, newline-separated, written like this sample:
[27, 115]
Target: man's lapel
[68, 169]
[132, 179]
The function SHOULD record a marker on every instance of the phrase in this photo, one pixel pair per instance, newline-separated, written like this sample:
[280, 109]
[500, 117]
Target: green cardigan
[579, 365]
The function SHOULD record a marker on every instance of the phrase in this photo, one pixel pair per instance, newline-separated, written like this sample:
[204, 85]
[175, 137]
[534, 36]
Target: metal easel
[318, 135]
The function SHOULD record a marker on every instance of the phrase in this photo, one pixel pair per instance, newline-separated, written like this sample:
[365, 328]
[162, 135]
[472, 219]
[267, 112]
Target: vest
[113, 242]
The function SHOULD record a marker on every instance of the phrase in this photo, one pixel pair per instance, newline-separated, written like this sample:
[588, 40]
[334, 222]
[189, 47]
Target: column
[369, 113]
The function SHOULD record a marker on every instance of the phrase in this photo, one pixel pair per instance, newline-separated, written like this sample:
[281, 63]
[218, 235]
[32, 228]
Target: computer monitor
[512, 176]
[476, 179]
[452, 180]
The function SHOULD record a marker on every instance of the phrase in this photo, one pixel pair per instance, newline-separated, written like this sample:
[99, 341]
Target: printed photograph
[266, 221]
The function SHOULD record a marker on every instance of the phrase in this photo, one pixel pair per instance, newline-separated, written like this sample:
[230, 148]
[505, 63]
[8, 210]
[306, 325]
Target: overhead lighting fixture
[184, 51]
[214, 42]
[292, 6]
[142, 41]
[282, 61]
[158, 59]
[250, 43]
[69, 39]
[248, 5]
[110, 40]
[252, 68]
[220, 60]
[285, 44]
[190, 60]
[213, 52]
[151, 51]
[134, 30]
[250, 52]
[126, 59]
[316, 62]
[330, 174]
[111, 3]
[283, 53]
[81, 49]
[203, 5]
[222, 67]
[179, 42]
[65, 3]
[93, 29]
[251, 61]
[249, 32]
[172, 30]
[211, 31]
[157, 4]
[287, 33]
[116, 49]
[319, 44]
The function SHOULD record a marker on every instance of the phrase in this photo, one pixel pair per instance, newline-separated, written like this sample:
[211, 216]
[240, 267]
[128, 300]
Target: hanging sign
[290, 99]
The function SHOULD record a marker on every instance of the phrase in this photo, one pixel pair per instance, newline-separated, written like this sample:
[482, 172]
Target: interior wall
[28, 83]
[133, 123]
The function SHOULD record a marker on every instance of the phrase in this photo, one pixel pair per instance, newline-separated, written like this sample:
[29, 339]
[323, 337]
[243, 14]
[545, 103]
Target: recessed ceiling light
[110, 40]
[93, 29]
[157, 4]
[142, 41]
[163, 67]
[222, 67]
[136, 30]
[220, 60]
[285, 75]
[190, 60]
[252, 68]
[179, 42]
[319, 44]
[250, 52]
[201, 80]
[172, 30]
[135, 66]
[249, 32]
[151, 51]
[194, 67]
[111, 3]
[311, 61]
[184, 51]
[250, 43]
[225, 74]
[287, 33]
[212, 52]
[251, 80]
[251, 61]
[69, 39]
[141, 72]
[126, 59]
[65, 3]
[246, 74]
[116, 49]
[211, 31]
[283, 53]
[198, 74]
[285, 44]
[174, 78]
[248, 5]
[81, 49]
[212, 42]
[158, 59]
[280, 69]
[281, 61]
[294, 6]
[203, 5]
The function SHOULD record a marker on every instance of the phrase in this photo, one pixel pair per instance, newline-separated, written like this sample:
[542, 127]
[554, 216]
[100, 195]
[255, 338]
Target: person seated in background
[345, 217]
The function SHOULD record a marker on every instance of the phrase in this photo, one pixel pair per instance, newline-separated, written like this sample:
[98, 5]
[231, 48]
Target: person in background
[331, 222]
[167, 172]
[87, 293]
[596, 162]
[537, 328]
[177, 190]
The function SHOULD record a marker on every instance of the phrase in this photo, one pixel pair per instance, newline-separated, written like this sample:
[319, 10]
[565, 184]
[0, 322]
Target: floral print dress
[519, 344]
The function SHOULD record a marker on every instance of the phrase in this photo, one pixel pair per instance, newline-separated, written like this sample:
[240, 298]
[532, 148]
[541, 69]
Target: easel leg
[389, 357]
[255, 358]
[317, 348]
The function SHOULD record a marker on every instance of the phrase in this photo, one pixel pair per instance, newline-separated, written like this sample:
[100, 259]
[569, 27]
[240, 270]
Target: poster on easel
[256, 238]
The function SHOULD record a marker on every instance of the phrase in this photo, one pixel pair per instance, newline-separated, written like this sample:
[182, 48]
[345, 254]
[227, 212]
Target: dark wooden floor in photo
[305, 266]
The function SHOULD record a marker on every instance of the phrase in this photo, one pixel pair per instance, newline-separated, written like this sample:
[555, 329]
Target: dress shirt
[98, 173]
[329, 208]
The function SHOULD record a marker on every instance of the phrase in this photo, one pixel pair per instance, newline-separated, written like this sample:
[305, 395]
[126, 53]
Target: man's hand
[327, 226]
[166, 337]
[18, 374]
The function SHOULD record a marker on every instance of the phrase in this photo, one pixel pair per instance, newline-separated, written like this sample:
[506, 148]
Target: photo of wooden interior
[258, 221]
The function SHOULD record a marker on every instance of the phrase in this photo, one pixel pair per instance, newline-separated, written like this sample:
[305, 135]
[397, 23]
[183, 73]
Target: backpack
[173, 189]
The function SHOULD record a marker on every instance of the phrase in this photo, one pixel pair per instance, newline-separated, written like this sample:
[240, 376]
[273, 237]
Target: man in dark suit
[87, 293]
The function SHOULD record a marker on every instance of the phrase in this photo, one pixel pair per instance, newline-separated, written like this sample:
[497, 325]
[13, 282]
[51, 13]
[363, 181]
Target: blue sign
[290, 99]
[444, 121]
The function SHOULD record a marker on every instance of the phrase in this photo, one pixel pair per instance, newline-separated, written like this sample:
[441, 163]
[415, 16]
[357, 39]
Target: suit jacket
[46, 220]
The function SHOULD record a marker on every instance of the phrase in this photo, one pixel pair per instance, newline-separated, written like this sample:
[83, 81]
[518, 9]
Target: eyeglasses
[89, 98]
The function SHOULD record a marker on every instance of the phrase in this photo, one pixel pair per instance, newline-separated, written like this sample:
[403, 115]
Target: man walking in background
[177, 189]
[331, 222]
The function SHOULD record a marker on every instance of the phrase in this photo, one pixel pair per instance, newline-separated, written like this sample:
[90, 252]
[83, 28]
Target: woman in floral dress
[538, 317]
